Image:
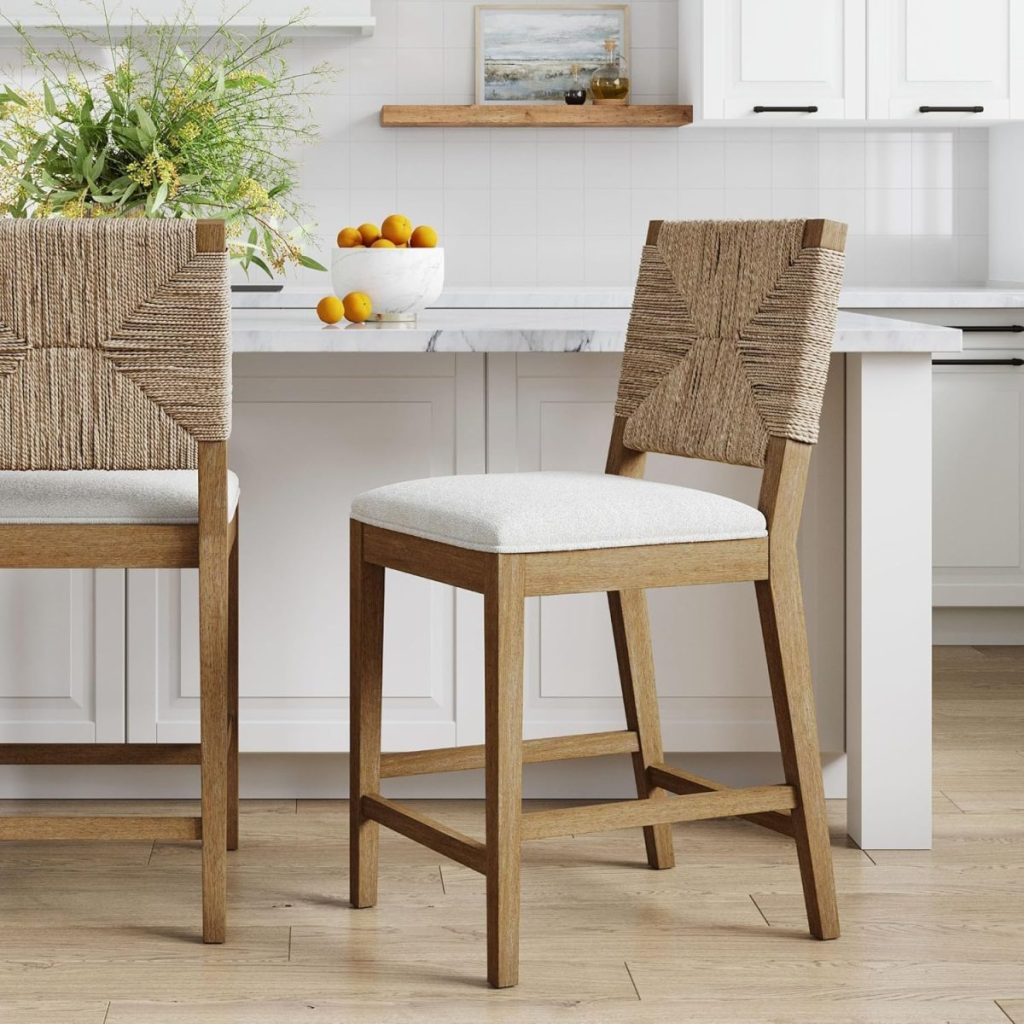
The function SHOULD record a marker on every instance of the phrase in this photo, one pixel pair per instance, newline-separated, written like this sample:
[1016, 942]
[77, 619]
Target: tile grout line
[625, 963]
[759, 910]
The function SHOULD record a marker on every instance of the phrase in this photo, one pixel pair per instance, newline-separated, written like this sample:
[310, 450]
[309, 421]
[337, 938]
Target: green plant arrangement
[182, 122]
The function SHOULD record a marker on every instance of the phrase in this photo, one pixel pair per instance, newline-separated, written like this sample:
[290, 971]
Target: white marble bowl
[400, 282]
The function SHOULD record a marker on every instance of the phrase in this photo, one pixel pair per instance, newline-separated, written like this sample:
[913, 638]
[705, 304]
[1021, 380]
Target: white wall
[570, 206]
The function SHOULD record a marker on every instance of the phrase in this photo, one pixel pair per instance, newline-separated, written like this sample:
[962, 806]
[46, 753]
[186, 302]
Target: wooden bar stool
[115, 387]
[726, 359]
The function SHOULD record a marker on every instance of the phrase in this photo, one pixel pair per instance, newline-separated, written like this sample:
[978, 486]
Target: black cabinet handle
[1014, 361]
[952, 110]
[785, 110]
[993, 329]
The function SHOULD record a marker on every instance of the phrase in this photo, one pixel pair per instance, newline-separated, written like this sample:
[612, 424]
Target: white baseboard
[291, 776]
[977, 626]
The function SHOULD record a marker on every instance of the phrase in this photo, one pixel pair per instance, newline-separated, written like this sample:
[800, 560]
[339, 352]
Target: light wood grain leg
[213, 687]
[780, 603]
[366, 653]
[233, 720]
[632, 632]
[503, 726]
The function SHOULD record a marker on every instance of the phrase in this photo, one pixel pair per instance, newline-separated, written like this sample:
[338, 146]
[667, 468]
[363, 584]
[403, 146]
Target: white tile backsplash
[570, 206]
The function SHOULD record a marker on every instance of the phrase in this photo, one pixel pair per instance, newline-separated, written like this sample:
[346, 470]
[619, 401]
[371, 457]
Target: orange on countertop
[358, 307]
[330, 309]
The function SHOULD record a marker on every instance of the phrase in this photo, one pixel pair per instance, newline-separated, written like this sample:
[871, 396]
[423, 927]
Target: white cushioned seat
[104, 496]
[554, 511]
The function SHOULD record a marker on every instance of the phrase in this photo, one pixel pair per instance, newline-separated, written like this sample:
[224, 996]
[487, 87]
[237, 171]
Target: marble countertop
[529, 330]
[898, 297]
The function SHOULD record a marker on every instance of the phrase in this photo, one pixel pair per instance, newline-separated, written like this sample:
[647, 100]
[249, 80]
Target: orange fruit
[424, 237]
[357, 307]
[330, 309]
[396, 228]
[383, 243]
[369, 233]
[349, 238]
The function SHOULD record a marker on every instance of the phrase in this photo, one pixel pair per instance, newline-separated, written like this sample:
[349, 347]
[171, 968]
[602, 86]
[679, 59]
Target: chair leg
[233, 722]
[781, 607]
[632, 633]
[503, 685]
[213, 704]
[366, 653]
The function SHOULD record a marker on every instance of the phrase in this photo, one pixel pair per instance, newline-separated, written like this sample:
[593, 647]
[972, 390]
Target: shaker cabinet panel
[978, 484]
[779, 53]
[62, 671]
[306, 439]
[944, 53]
[552, 412]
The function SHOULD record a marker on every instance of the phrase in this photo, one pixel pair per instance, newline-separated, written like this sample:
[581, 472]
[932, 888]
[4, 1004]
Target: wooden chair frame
[211, 546]
[664, 794]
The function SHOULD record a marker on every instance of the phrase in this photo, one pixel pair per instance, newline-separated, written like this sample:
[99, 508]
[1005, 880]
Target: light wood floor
[110, 934]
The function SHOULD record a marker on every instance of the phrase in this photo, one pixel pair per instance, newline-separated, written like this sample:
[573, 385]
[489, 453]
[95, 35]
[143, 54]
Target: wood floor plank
[884, 991]
[929, 936]
[51, 1011]
[1013, 1008]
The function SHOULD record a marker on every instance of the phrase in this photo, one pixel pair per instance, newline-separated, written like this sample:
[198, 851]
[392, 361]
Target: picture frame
[525, 52]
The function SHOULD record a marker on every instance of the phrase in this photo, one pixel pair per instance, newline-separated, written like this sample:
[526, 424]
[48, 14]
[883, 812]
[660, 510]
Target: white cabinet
[978, 476]
[852, 59]
[309, 433]
[738, 55]
[62, 667]
[977, 461]
[548, 411]
[944, 53]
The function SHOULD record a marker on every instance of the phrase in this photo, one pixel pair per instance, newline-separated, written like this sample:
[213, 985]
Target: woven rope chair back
[115, 345]
[729, 339]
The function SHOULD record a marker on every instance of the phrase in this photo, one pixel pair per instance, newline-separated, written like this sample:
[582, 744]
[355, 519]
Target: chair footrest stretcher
[460, 759]
[695, 799]
[29, 827]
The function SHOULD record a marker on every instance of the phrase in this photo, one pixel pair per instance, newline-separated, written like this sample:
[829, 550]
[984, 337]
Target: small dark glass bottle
[576, 94]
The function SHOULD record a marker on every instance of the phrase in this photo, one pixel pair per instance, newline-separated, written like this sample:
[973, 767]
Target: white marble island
[520, 329]
[527, 388]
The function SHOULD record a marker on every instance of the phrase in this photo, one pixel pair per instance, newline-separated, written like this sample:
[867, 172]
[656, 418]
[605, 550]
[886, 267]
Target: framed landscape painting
[525, 53]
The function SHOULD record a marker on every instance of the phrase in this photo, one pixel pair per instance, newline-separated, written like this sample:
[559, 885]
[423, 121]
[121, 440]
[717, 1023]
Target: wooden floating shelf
[546, 115]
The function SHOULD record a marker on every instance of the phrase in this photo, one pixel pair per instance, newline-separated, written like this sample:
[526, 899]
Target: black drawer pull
[785, 110]
[1014, 361]
[952, 110]
[993, 329]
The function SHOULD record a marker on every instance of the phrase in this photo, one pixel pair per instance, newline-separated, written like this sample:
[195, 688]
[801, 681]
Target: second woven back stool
[726, 359]
[115, 411]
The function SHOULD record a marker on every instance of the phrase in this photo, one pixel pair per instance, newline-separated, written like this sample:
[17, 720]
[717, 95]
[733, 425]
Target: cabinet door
[944, 53]
[62, 670]
[783, 53]
[555, 412]
[978, 472]
[311, 432]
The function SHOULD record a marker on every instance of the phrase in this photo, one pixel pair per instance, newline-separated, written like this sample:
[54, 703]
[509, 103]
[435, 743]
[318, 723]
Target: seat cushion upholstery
[104, 496]
[554, 511]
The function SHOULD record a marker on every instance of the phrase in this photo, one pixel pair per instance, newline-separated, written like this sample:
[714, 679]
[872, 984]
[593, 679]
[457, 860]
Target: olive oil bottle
[610, 82]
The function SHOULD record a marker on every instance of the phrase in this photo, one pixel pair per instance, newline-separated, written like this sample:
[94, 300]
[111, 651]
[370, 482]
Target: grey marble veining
[531, 330]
